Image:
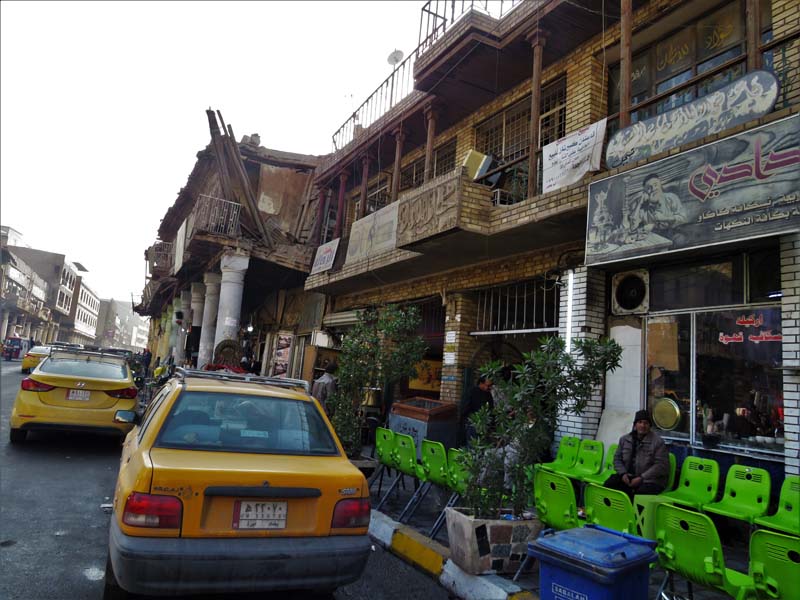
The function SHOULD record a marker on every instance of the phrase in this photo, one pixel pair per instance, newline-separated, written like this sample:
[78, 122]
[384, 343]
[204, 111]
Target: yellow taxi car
[74, 390]
[234, 483]
[33, 357]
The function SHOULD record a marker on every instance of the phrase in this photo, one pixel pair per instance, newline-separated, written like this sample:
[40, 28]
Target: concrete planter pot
[486, 545]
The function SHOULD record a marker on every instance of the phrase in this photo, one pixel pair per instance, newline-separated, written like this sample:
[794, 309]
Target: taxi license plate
[248, 514]
[78, 395]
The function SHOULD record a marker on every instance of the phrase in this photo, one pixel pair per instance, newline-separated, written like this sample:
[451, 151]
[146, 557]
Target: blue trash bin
[592, 563]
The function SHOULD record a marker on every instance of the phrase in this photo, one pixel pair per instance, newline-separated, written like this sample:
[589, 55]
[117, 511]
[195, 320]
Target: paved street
[53, 531]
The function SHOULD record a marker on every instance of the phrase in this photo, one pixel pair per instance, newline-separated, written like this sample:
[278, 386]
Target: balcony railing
[388, 94]
[438, 16]
[214, 215]
[160, 257]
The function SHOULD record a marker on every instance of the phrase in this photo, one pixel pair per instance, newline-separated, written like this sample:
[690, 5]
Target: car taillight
[31, 385]
[28, 355]
[147, 510]
[127, 393]
[353, 512]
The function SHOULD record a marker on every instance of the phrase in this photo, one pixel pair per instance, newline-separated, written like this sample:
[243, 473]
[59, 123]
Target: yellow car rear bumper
[30, 413]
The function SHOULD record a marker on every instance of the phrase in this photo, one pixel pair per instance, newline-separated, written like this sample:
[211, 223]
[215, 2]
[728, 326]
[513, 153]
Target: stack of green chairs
[384, 446]
[608, 468]
[698, 483]
[787, 518]
[404, 457]
[457, 477]
[554, 497]
[775, 565]
[565, 457]
[431, 471]
[689, 545]
[587, 462]
[609, 508]
[746, 494]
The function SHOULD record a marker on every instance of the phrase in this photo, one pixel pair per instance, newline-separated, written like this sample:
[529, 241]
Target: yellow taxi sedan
[74, 390]
[33, 357]
[234, 483]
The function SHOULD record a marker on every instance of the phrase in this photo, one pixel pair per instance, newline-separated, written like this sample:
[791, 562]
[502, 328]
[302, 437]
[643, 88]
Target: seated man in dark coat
[641, 461]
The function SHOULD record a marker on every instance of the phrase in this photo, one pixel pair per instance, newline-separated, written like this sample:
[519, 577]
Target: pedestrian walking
[325, 386]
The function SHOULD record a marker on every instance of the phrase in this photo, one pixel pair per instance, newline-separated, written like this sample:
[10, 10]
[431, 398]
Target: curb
[434, 559]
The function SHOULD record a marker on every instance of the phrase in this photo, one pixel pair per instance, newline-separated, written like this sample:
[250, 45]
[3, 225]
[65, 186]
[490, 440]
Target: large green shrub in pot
[518, 433]
[382, 347]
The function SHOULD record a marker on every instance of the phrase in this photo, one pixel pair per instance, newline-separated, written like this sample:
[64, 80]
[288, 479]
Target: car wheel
[17, 436]
[111, 589]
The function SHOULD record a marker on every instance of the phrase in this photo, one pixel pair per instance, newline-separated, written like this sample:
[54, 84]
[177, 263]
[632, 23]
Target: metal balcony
[437, 16]
[214, 215]
[160, 258]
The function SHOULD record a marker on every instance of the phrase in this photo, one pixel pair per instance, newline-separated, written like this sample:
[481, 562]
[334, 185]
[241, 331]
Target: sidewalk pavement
[410, 541]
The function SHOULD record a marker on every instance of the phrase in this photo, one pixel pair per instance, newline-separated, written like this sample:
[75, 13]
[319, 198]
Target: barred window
[445, 158]
[413, 175]
[506, 135]
[552, 120]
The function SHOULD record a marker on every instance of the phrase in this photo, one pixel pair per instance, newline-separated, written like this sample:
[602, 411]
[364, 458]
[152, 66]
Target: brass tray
[666, 414]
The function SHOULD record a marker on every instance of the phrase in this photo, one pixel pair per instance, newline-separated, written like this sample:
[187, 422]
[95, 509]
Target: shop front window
[732, 356]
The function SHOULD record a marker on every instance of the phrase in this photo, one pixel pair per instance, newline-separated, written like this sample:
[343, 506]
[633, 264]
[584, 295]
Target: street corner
[420, 550]
[481, 587]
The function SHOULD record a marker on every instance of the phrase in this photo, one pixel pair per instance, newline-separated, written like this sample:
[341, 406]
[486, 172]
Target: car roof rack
[88, 353]
[286, 382]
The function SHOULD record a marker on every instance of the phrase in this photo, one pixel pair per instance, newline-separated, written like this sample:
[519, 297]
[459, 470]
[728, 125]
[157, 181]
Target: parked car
[234, 483]
[74, 390]
[33, 357]
[14, 347]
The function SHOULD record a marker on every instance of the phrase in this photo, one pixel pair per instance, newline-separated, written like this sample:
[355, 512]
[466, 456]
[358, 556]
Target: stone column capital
[232, 262]
[198, 290]
[211, 279]
[432, 110]
[398, 133]
[343, 177]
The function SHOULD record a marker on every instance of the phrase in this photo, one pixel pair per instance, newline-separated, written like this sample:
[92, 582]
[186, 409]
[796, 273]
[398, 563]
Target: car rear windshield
[39, 350]
[245, 423]
[81, 367]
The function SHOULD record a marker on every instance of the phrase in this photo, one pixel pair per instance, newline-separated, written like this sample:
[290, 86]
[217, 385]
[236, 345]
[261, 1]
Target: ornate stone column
[210, 307]
[198, 297]
[233, 267]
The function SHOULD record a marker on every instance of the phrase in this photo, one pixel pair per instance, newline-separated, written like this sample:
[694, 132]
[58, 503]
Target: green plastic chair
[588, 461]
[608, 468]
[404, 458]
[566, 456]
[672, 468]
[384, 444]
[432, 470]
[609, 508]
[787, 518]
[689, 545]
[457, 477]
[746, 494]
[554, 497]
[775, 564]
[698, 483]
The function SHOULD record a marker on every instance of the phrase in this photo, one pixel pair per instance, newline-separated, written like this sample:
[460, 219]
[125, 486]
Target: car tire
[17, 436]
[111, 588]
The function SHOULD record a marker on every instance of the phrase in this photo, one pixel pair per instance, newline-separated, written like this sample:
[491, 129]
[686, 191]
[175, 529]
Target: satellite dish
[395, 57]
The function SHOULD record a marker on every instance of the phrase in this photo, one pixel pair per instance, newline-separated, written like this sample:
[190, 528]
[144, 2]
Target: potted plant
[514, 436]
[377, 352]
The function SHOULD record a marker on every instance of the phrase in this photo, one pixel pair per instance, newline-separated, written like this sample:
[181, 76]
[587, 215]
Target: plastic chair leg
[440, 520]
[528, 557]
[389, 491]
[415, 501]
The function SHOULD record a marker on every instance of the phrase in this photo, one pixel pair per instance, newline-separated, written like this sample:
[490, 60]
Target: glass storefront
[713, 354]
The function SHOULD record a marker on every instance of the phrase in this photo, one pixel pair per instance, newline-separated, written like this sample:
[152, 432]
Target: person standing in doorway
[479, 396]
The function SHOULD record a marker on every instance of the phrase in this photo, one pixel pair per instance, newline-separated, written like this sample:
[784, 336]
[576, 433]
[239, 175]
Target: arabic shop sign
[323, 259]
[749, 97]
[756, 336]
[741, 187]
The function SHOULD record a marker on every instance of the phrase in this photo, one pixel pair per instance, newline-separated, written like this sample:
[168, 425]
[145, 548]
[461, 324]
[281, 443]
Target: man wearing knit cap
[641, 461]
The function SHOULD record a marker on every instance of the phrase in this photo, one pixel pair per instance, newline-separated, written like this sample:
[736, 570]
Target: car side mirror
[127, 416]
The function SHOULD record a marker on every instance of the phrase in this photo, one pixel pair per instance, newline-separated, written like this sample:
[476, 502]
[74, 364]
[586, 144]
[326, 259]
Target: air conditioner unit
[630, 292]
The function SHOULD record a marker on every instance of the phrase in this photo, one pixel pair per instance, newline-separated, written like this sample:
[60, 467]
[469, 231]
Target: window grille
[413, 175]
[445, 158]
[377, 196]
[552, 121]
[444, 161]
[506, 135]
[525, 306]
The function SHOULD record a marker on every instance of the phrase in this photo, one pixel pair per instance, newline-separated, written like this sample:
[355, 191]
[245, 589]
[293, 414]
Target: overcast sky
[103, 106]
